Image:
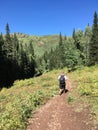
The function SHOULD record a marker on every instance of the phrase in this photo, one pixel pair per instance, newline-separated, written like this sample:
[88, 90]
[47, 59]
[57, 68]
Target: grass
[25, 96]
[85, 91]
[40, 43]
[18, 102]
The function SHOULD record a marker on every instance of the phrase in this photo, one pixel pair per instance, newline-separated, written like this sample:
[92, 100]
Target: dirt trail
[58, 115]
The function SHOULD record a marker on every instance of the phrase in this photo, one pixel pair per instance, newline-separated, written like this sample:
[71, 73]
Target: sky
[46, 17]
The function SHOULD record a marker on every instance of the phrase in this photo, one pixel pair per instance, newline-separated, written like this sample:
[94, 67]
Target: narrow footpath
[57, 114]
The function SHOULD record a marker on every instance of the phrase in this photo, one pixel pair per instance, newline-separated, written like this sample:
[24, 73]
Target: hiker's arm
[58, 77]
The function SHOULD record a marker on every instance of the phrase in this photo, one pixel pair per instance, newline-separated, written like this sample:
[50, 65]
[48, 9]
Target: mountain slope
[26, 96]
[73, 110]
[40, 43]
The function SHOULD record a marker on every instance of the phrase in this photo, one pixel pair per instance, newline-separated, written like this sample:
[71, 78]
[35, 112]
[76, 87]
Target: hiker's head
[62, 73]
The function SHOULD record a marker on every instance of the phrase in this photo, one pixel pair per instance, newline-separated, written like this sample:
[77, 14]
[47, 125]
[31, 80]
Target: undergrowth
[85, 89]
[25, 96]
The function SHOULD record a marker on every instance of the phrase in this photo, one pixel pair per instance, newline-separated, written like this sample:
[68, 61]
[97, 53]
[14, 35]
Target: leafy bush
[18, 102]
[85, 80]
[70, 99]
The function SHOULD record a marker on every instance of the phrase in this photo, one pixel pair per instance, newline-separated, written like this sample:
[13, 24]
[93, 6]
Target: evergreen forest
[23, 56]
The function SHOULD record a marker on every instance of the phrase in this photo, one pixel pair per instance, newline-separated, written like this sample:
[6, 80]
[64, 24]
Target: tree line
[79, 49]
[18, 61]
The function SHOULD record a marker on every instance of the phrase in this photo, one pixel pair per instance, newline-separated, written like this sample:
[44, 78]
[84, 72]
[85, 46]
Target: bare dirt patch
[57, 114]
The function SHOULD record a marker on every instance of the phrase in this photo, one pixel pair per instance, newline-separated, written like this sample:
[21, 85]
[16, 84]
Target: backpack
[62, 79]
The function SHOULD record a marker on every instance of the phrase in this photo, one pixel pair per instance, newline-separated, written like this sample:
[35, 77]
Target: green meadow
[40, 43]
[84, 90]
[19, 102]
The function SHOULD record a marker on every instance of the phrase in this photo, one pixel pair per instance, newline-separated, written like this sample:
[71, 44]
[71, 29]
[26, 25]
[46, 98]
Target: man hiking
[62, 82]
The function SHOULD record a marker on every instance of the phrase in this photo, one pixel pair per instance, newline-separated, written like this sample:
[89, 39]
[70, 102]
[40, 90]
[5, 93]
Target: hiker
[62, 82]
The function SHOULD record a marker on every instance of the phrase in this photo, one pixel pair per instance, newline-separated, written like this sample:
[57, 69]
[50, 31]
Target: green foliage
[78, 39]
[18, 102]
[15, 113]
[17, 62]
[40, 43]
[70, 99]
[85, 91]
[72, 58]
[25, 56]
[93, 52]
[88, 34]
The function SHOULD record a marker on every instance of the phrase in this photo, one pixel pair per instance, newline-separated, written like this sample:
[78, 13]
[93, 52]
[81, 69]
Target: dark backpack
[62, 79]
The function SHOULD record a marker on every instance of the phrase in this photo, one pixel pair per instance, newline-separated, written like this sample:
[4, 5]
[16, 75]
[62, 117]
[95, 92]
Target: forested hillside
[40, 43]
[23, 56]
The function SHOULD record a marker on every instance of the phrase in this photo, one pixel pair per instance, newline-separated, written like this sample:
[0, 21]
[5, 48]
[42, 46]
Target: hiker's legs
[62, 88]
[61, 91]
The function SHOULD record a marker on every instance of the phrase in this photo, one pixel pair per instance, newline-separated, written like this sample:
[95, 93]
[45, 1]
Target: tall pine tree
[61, 52]
[88, 34]
[8, 47]
[93, 52]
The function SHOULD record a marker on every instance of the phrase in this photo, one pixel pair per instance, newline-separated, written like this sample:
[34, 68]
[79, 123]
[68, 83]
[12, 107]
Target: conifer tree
[65, 38]
[31, 51]
[60, 40]
[23, 62]
[61, 52]
[15, 44]
[1, 45]
[31, 56]
[8, 46]
[51, 60]
[72, 56]
[93, 52]
[88, 33]
[2, 62]
[73, 35]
